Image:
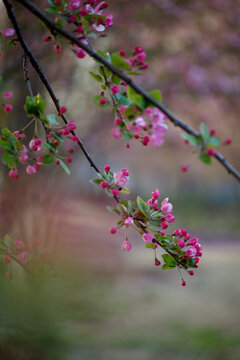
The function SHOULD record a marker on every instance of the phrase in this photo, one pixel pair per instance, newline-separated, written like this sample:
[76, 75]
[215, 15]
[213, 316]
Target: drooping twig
[42, 76]
[90, 50]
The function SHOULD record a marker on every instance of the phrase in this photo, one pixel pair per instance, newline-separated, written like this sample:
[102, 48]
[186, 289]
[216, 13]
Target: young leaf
[96, 76]
[142, 206]
[119, 62]
[64, 166]
[8, 159]
[95, 181]
[156, 94]
[192, 139]
[204, 131]
[48, 159]
[206, 159]
[214, 141]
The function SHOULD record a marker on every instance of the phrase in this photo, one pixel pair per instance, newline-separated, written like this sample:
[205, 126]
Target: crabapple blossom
[113, 230]
[148, 237]
[121, 178]
[166, 207]
[30, 169]
[8, 95]
[7, 33]
[7, 108]
[128, 221]
[126, 245]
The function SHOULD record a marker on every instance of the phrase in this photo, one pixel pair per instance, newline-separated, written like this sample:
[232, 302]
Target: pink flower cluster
[7, 107]
[114, 182]
[148, 128]
[137, 60]
[190, 247]
[165, 208]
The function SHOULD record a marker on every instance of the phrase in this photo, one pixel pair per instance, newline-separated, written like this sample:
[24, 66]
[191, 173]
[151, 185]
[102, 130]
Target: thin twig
[90, 50]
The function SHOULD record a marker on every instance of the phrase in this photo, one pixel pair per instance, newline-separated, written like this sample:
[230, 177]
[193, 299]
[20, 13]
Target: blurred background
[101, 303]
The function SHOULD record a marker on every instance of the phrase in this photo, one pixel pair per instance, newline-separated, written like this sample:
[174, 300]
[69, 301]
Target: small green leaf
[142, 206]
[192, 139]
[1, 80]
[214, 141]
[122, 99]
[96, 76]
[64, 166]
[119, 62]
[8, 159]
[167, 267]
[49, 146]
[204, 131]
[52, 118]
[52, 11]
[133, 73]
[126, 135]
[115, 79]
[48, 159]
[149, 246]
[4, 144]
[206, 159]
[124, 190]
[156, 94]
[113, 210]
[34, 106]
[96, 181]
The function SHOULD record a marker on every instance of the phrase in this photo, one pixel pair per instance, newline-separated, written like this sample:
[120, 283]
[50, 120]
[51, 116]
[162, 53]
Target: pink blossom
[102, 101]
[80, 53]
[9, 32]
[23, 257]
[115, 89]
[107, 168]
[31, 170]
[183, 232]
[193, 241]
[156, 140]
[211, 152]
[181, 243]
[198, 246]
[35, 144]
[128, 221]
[126, 245]
[8, 95]
[115, 192]
[191, 272]
[19, 244]
[120, 178]
[148, 111]
[116, 133]
[57, 49]
[71, 125]
[113, 230]
[104, 184]
[74, 4]
[40, 160]
[6, 259]
[155, 205]
[148, 237]
[184, 168]
[145, 140]
[177, 232]
[117, 121]
[13, 174]
[166, 207]
[8, 108]
[75, 138]
[157, 262]
[141, 56]
[155, 194]
[183, 283]
[170, 218]
[164, 225]
[62, 110]
[191, 251]
[23, 158]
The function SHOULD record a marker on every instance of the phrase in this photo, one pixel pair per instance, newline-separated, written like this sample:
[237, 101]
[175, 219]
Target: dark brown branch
[89, 49]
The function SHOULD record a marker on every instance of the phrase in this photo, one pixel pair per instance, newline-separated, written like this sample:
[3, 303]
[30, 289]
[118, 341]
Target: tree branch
[90, 50]
[42, 76]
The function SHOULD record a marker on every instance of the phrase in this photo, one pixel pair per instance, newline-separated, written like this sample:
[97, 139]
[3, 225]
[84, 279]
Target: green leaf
[113, 210]
[124, 190]
[119, 62]
[52, 3]
[122, 99]
[59, 23]
[149, 246]
[156, 94]
[204, 131]
[4, 144]
[52, 11]
[133, 73]
[8, 159]
[52, 118]
[34, 106]
[1, 80]
[142, 206]
[48, 159]
[8, 240]
[95, 181]
[96, 76]
[192, 139]
[108, 192]
[126, 135]
[49, 146]
[136, 98]
[115, 79]
[64, 166]
[214, 141]
[206, 159]
[105, 72]
[167, 267]
[169, 260]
